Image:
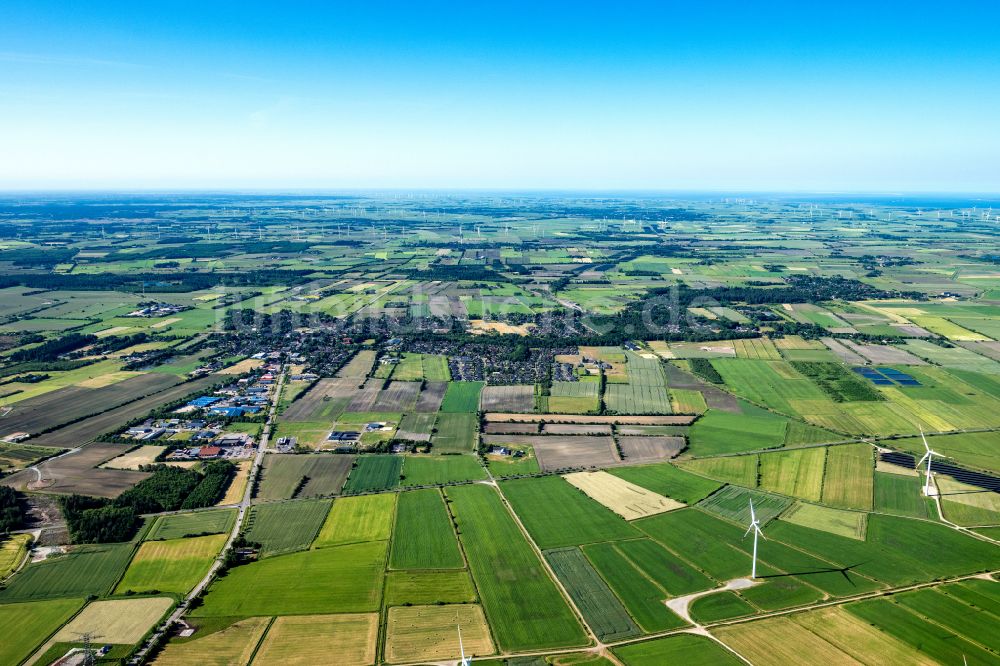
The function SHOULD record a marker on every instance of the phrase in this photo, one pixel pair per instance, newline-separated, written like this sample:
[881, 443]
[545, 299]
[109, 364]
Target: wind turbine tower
[755, 528]
[461, 648]
[929, 488]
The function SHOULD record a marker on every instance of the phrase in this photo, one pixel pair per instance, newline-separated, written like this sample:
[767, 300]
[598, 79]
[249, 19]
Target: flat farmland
[733, 503]
[461, 397]
[650, 448]
[668, 480]
[431, 397]
[897, 551]
[902, 496]
[285, 527]
[374, 473]
[398, 397]
[780, 640]
[848, 482]
[27, 624]
[626, 499]
[232, 645]
[514, 398]
[75, 473]
[663, 567]
[123, 621]
[416, 427]
[86, 570]
[851, 524]
[74, 434]
[637, 399]
[282, 475]
[556, 452]
[359, 366]
[686, 649]
[341, 579]
[420, 470]
[144, 455]
[557, 514]
[429, 587]
[573, 397]
[601, 609]
[196, 523]
[310, 639]
[174, 565]
[725, 432]
[530, 615]
[687, 401]
[13, 550]
[357, 519]
[934, 641]
[699, 537]
[643, 599]
[719, 606]
[428, 633]
[680, 420]
[56, 408]
[456, 433]
[323, 402]
[741, 470]
[573, 429]
[796, 473]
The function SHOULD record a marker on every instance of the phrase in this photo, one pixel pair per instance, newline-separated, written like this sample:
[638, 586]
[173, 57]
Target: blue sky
[667, 95]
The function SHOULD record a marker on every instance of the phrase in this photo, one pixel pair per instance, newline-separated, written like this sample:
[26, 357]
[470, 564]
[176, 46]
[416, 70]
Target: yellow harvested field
[859, 639]
[144, 455]
[626, 499]
[314, 639]
[12, 552]
[780, 641]
[123, 621]
[661, 348]
[676, 271]
[113, 331]
[108, 379]
[166, 322]
[424, 633]
[232, 646]
[359, 366]
[619, 419]
[246, 365]
[480, 326]
[237, 487]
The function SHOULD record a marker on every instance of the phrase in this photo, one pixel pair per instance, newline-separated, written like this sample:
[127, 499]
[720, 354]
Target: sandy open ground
[626, 499]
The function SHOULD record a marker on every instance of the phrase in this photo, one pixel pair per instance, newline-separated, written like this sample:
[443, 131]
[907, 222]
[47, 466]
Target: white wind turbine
[461, 648]
[929, 456]
[755, 528]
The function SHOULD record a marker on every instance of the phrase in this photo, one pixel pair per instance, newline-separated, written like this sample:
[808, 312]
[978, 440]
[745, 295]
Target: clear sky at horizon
[668, 95]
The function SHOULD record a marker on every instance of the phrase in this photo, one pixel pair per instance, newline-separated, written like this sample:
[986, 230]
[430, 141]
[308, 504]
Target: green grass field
[374, 473]
[724, 432]
[356, 519]
[85, 571]
[685, 649]
[526, 616]
[797, 473]
[175, 565]
[192, 524]
[428, 470]
[556, 514]
[741, 470]
[26, 625]
[456, 433]
[283, 475]
[849, 478]
[341, 579]
[663, 567]
[669, 480]
[901, 495]
[733, 503]
[719, 606]
[424, 537]
[286, 527]
[429, 587]
[601, 609]
[851, 524]
[462, 397]
[642, 598]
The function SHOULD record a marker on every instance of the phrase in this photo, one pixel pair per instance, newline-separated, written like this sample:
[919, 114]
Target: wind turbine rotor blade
[924, 439]
[747, 533]
[921, 461]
